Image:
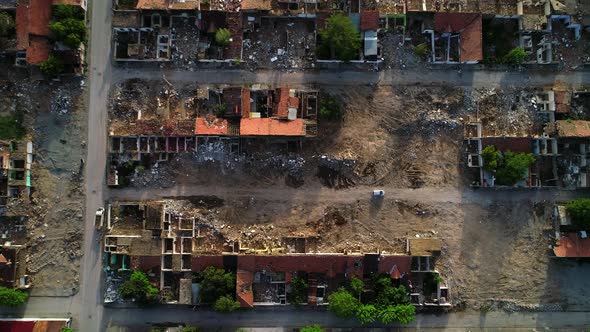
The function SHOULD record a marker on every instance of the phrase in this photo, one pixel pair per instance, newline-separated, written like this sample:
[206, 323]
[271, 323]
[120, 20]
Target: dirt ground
[56, 123]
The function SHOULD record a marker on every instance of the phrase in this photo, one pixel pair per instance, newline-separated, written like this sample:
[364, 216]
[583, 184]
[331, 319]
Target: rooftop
[167, 4]
[514, 144]
[32, 29]
[210, 126]
[572, 128]
[572, 245]
[369, 20]
[271, 127]
[23, 325]
[469, 26]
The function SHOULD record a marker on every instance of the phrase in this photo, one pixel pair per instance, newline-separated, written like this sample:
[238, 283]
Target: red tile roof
[514, 144]
[281, 105]
[212, 126]
[369, 20]
[244, 292]
[572, 245]
[246, 102]
[469, 26]
[271, 127]
[562, 101]
[32, 326]
[32, 29]
[152, 4]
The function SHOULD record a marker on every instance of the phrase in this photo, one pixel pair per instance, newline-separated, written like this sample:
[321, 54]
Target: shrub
[138, 287]
[329, 108]
[222, 37]
[387, 294]
[515, 56]
[312, 328]
[340, 37]
[226, 304]
[421, 50]
[514, 167]
[366, 314]
[12, 298]
[51, 67]
[6, 23]
[11, 126]
[70, 31]
[404, 314]
[342, 303]
[66, 329]
[579, 211]
[298, 292]
[216, 283]
[490, 158]
[61, 12]
[357, 286]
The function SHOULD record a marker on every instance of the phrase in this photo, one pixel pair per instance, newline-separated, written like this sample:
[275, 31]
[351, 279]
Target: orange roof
[284, 102]
[572, 245]
[245, 102]
[469, 26]
[256, 4]
[369, 20]
[244, 291]
[212, 126]
[271, 127]
[32, 28]
[573, 128]
[3, 259]
[68, 2]
[152, 4]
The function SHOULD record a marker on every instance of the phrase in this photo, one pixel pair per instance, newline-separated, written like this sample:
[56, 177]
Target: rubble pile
[61, 101]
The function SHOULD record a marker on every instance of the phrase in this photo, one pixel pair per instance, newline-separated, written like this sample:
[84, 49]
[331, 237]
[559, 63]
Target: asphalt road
[86, 308]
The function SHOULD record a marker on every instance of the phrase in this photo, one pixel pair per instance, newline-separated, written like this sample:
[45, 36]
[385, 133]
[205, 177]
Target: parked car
[99, 220]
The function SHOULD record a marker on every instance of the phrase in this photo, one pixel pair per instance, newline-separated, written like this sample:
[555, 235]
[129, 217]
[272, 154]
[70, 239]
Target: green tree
[61, 12]
[387, 294]
[66, 329]
[357, 286]
[490, 158]
[6, 23]
[421, 50]
[312, 328]
[340, 37]
[222, 37]
[12, 298]
[216, 283]
[516, 56]
[51, 67]
[190, 329]
[329, 108]
[138, 287]
[366, 314]
[579, 211]
[299, 289]
[404, 313]
[226, 304]
[70, 31]
[514, 167]
[342, 303]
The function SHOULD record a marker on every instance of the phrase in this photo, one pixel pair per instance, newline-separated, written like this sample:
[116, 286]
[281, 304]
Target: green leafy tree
[222, 37]
[216, 283]
[421, 50]
[312, 328]
[579, 211]
[12, 298]
[406, 313]
[388, 314]
[70, 31]
[6, 23]
[342, 303]
[299, 289]
[490, 158]
[329, 108]
[226, 304]
[66, 329]
[138, 287]
[61, 12]
[387, 294]
[516, 56]
[51, 67]
[357, 286]
[514, 167]
[340, 37]
[366, 314]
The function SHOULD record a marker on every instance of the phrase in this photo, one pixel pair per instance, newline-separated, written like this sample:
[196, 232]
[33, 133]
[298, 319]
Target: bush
[387, 294]
[312, 328]
[222, 37]
[12, 298]
[514, 167]
[226, 304]
[403, 314]
[51, 67]
[66, 329]
[299, 289]
[6, 23]
[342, 303]
[138, 288]
[516, 56]
[11, 127]
[366, 314]
[340, 37]
[216, 283]
[61, 12]
[70, 31]
[579, 211]
[490, 158]
[421, 50]
[357, 286]
[329, 108]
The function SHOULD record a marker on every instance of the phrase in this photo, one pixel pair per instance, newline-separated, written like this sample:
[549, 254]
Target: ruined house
[456, 38]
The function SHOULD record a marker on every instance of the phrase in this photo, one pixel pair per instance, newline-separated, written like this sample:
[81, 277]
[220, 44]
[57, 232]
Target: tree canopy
[342, 303]
[579, 211]
[226, 304]
[403, 313]
[516, 56]
[70, 31]
[6, 23]
[51, 67]
[222, 37]
[514, 167]
[340, 38]
[138, 287]
[490, 158]
[298, 292]
[216, 283]
[11, 297]
[366, 314]
[312, 328]
[61, 12]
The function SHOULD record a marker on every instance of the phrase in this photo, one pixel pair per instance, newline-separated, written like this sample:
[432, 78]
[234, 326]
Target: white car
[377, 193]
[98, 222]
